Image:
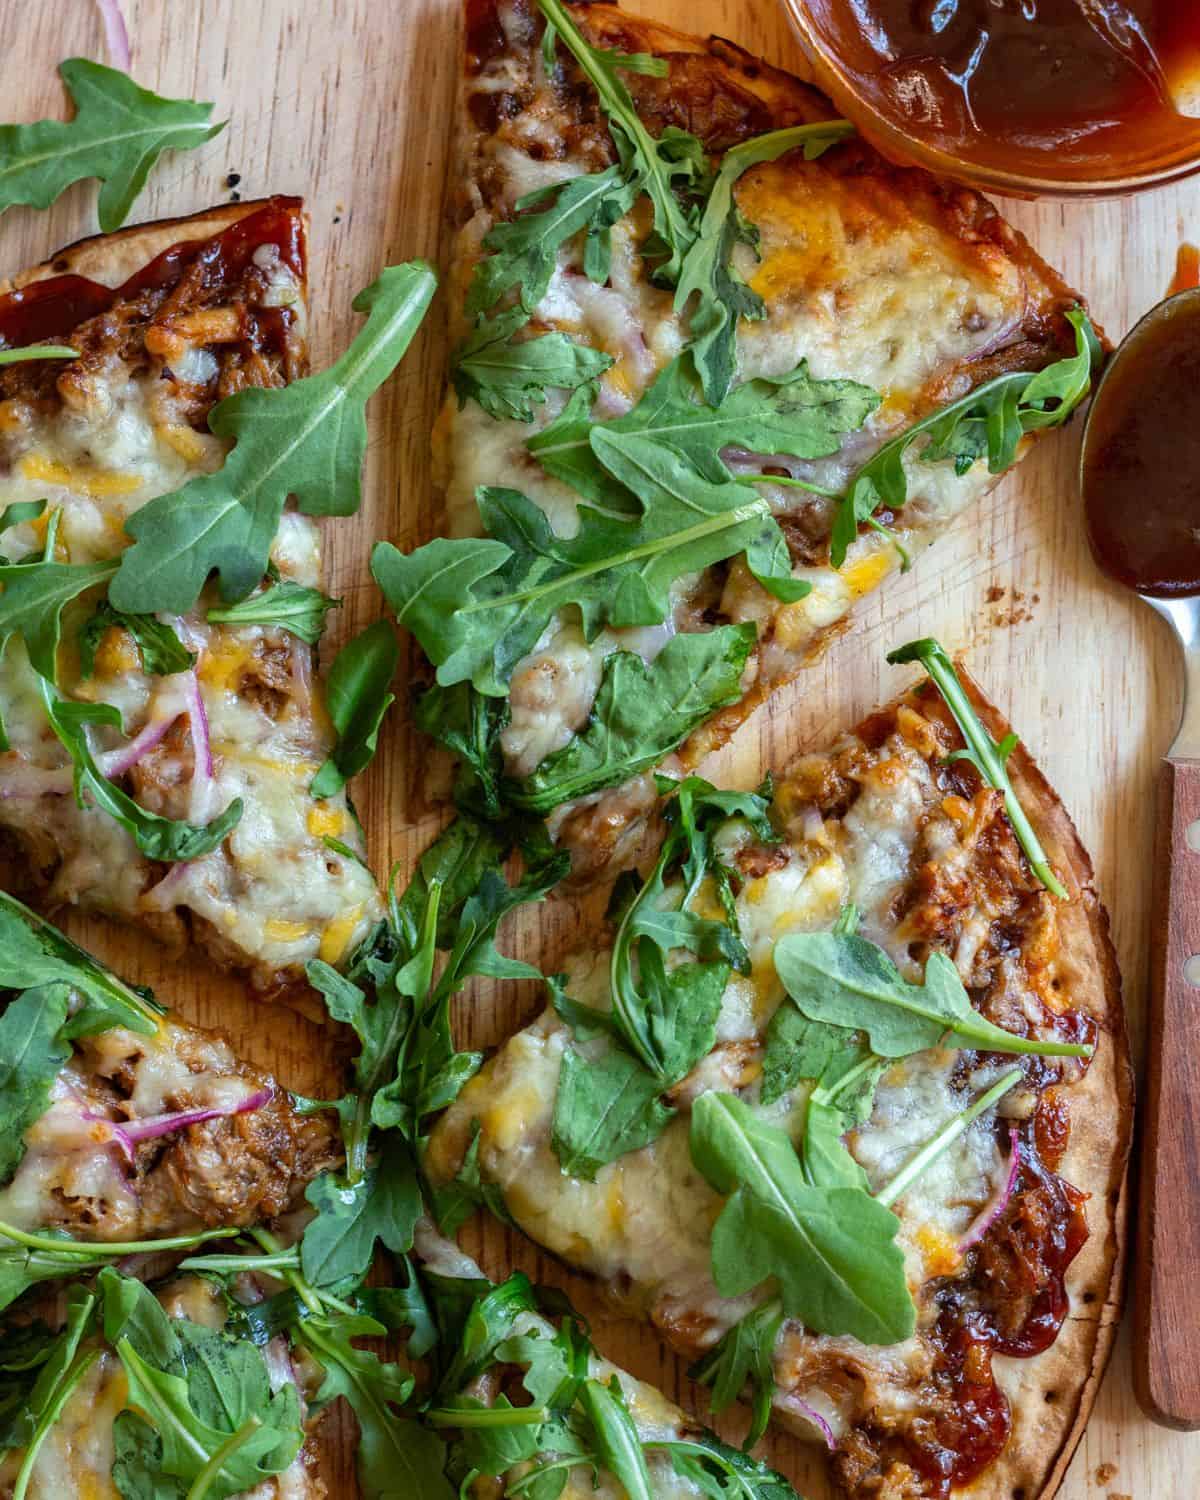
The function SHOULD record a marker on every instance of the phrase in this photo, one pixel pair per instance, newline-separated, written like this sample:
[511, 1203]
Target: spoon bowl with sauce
[1029, 97]
[1140, 479]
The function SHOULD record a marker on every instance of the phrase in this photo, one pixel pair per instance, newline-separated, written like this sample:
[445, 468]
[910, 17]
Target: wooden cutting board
[352, 105]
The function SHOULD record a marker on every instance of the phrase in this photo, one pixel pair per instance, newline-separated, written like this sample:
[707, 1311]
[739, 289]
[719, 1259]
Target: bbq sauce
[1058, 90]
[1141, 468]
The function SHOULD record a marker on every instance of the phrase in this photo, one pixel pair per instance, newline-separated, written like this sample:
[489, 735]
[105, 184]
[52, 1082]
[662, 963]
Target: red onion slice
[117, 762]
[998, 1202]
[811, 1414]
[125, 1134]
[202, 761]
[116, 34]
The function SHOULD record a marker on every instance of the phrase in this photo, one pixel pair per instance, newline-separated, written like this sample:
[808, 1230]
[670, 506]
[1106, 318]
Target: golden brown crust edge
[1055, 1391]
[112, 258]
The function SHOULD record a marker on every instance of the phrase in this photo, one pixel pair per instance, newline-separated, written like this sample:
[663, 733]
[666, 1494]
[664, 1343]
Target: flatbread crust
[1054, 1392]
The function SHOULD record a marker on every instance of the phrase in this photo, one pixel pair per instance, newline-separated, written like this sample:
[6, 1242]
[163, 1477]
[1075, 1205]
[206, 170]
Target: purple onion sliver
[156, 1125]
[116, 35]
[201, 745]
[118, 1136]
[998, 1202]
[117, 762]
[811, 1414]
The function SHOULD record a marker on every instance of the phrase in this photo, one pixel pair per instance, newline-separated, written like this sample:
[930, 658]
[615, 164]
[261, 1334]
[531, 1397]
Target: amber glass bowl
[1165, 161]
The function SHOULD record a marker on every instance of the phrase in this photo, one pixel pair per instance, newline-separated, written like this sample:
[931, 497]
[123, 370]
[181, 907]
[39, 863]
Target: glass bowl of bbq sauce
[1061, 98]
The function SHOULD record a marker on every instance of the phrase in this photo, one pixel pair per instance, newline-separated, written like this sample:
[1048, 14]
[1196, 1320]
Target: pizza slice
[155, 1393]
[124, 1126]
[158, 765]
[843, 1104]
[720, 370]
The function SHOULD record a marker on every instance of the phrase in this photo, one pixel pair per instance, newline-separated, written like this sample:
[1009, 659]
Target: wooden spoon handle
[1167, 1347]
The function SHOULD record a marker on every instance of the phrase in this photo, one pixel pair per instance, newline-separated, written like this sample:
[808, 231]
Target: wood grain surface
[351, 105]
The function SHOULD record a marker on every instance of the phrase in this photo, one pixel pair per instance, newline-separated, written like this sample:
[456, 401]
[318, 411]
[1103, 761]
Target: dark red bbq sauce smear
[51, 309]
[1014, 1305]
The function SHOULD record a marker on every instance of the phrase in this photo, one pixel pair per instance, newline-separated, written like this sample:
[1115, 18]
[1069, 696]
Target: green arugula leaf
[744, 1359]
[58, 1377]
[160, 650]
[722, 296]
[118, 133]
[469, 724]
[32, 1051]
[798, 1048]
[19, 356]
[18, 513]
[291, 606]
[989, 421]
[616, 1439]
[723, 1473]
[653, 167]
[832, 1251]
[851, 982]
[33, 954]
[988, 758]
[455, 1202]
[524, 250]
[157, 837]
[194, 1390]
[357, 697]
[382, 1205]
[663, 1021]
[796, 415]
[397, 1458]
[641, 713]
[35, 595]
[508, 379]
[305, 439]
[603, 1109]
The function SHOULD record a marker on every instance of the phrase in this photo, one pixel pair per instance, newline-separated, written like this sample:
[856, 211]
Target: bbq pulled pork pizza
[161, 744]
[124, 1127]
[843, 1105]
[719, 371]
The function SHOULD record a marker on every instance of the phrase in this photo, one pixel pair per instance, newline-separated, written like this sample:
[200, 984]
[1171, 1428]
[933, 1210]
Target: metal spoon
[1140, 480]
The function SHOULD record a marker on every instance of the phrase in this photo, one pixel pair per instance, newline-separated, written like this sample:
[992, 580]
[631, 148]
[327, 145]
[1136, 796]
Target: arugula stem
[82, 1364]
[488, 1416]
[945, 1137]
[985, 754]
[294, 1279]
[211, 1471]
[282, 1260]
[38, 351]
[788, 482]
[90, 1249]
[725, 521]
[519, 1486]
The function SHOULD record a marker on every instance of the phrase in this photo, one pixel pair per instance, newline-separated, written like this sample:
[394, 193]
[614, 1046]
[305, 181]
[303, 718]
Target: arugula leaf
[524, 250]
[641, 713]
[851, 982]
[744, 1358]
[33, 953]
[382, 1205]
[453, 1203]
[19, 356]
[118, 133]
[798, 1048]
[356, 693]
[193, 1389]
[722, 1472]
[305, 439]
[832, 1251]
[160, 650]
[707, 273]
[616, 1439]
[35, 595]
[292, 606]
[796, 415]
[663, 1021]
[32, 1051]
[157, 837]
[469, 724]
[603, 1109]
[989, 421]
[651, 166]
[60, 1374]
[988, 758]
[508, 379]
